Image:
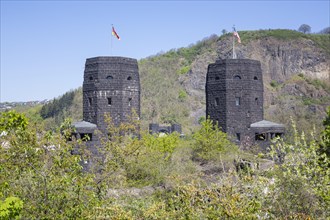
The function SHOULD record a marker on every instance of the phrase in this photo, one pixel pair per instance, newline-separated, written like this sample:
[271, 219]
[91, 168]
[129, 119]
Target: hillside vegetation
[295, 70]
[322, 40]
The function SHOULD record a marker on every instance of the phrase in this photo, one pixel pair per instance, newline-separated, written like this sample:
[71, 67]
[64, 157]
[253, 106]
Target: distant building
[234, 99]
[163, 129]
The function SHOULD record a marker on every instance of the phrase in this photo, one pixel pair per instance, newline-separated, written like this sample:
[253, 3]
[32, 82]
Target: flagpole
[234, 53]
[111, 41]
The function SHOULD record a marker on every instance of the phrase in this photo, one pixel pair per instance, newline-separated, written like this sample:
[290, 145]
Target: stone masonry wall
[111, 85]
[234, 94]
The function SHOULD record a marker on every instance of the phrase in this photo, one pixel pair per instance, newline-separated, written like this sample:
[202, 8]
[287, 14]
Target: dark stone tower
[111, 85]
[234, 94]
[234, 98]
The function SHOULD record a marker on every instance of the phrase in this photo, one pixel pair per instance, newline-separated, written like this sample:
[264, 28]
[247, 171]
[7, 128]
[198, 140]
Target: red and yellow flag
[114, 33]
[236, 35]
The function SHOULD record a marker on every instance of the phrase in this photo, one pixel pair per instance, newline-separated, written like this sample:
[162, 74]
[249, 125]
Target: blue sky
[44, 44]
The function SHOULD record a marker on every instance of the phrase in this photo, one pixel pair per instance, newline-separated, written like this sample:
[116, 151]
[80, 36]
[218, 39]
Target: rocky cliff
[296, 73]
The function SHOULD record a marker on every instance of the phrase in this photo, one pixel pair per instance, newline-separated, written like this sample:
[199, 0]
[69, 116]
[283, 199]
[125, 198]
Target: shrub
[182, 95]
[274, 83]
[210, 141]
[11, 208]
[302, 180]
[201, 119]
[183, 70]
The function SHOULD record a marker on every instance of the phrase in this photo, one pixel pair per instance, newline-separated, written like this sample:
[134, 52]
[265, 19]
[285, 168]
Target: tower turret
[111, 85]
[234, 99]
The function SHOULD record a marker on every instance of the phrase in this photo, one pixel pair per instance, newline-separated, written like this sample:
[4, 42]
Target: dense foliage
[156, 177]
[57, 105]
[68, 105]
[325, 138]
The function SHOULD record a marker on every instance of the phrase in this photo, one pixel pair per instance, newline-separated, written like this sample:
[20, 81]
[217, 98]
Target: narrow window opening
[256, 101]
[217, 102]
[278, 134]
[91, 78]
[129, 101]
[238, 101]
[255, 78]
[90, 101]
[260, 137]
[129, 78]
[109, 101]
[237, 77]
[217, 78]
[238, 136]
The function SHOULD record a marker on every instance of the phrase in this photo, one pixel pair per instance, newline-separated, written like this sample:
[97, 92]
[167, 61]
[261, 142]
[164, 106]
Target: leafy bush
[12, 121]
[184, 70]
[11, 208]
[182, 95]
[325, 136]
[274, 83]
[201, 119]
[210, 141]
[40, 169]
[304, 173]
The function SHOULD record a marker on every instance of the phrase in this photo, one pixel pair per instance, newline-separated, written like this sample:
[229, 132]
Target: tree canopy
[305, 28]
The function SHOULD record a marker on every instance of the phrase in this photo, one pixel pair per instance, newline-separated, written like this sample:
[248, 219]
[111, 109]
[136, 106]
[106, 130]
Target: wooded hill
[295, 70]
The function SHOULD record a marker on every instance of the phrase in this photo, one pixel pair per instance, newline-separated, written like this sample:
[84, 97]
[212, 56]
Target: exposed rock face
[280, 60]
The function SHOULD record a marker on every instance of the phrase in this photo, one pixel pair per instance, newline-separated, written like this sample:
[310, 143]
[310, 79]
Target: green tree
[302, 179]
[11, 208]
[325, 139]
[12, 121]
[305, 28]
[40, 169]
[325, 30]
[210, 141]
[132, 161]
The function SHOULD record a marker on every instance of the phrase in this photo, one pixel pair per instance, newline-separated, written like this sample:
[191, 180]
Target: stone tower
[234, 99]
[111, 85]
